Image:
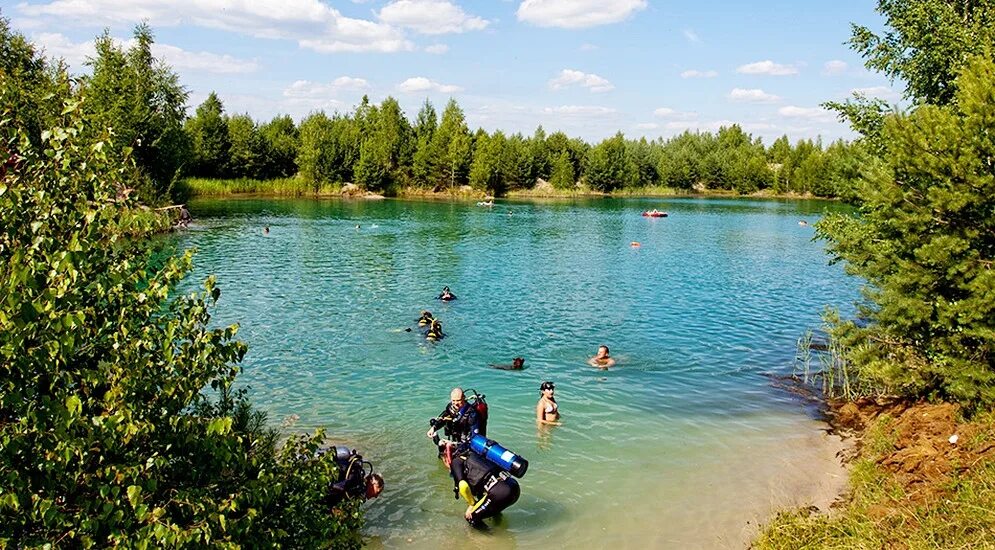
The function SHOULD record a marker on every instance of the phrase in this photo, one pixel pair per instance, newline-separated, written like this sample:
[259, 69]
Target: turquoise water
[681, 444]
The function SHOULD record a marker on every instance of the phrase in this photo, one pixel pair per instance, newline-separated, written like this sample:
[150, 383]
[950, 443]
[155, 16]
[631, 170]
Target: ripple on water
[677, 447]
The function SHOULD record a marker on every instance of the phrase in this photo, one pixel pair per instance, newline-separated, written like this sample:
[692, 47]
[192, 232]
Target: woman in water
[602, 360]
[447, 294]
[547, 411]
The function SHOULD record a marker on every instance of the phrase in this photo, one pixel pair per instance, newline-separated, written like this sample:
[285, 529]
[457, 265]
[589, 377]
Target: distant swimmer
[635, 244]
[446, 295]
[547, 410]
[603, 359]
[802, 223]
[517, 363]
[357, 226]
[266, 230]
[486, 203]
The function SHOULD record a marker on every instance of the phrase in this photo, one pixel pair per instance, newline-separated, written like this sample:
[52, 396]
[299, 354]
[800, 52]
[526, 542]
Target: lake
[686, 443]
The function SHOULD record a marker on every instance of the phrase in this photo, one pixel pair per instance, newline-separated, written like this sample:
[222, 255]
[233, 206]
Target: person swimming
[425, 319]
[518, 363]
[547, 410]
[603, 359]
[446, 294]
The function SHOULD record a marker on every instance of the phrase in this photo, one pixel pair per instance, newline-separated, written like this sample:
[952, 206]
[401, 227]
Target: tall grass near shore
[822, 362]
[288, 187]
[883, 512]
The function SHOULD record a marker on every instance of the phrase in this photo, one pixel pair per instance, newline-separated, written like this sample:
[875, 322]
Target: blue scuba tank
[493, 451]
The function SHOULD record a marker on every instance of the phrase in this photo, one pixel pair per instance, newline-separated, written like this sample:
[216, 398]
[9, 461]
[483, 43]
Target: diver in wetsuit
[434, 332]
[425, 319]
[461, 423]
[486, 487]
[352, 481]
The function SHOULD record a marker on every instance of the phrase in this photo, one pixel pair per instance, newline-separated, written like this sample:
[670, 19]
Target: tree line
[379, 149]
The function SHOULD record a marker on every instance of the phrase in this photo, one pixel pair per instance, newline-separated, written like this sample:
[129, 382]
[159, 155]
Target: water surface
[679, 446]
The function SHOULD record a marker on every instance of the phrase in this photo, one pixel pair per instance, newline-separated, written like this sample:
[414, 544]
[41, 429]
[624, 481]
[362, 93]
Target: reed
[284, 187]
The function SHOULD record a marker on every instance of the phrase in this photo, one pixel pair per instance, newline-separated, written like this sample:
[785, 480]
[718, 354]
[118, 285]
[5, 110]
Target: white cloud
[767, 67]
[580, 110]
[667, 112]
[58, 45]
[754, 95]
[577, 14]
[312, 90]
[206, 62]
[647, 126]
[834, 67]
[430, 17]
[437, 49]
[691, 36]
[882, 92]
[75, 54]
[312, 23]
[694, 73]
[570, 77]
[421, 84]
[809, 113]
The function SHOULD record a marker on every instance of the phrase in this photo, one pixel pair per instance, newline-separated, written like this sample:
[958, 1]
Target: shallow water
[679, 446]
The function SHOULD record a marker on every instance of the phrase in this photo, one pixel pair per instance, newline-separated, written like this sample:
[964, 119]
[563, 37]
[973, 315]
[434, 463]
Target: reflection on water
[680, 445]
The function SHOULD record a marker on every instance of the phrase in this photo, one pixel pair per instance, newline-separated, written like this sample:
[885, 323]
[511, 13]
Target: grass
[957, 511]
[285, 187]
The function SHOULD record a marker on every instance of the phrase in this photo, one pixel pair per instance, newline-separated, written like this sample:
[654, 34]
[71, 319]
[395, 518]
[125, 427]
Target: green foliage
[105, 435]
[488, 161]
[329, 148]
[249, 152]
[927, 43]
[563, 172]
[141, 100]
[387, 148]
[282, 141]
[924, 239]
[210, 139]
[451, 147]
[607, 166]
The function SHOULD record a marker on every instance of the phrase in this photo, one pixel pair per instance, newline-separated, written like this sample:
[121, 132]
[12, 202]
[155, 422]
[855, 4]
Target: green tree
[283, 140]
[924, 239]
[386, 150]
[107, 438]
[32, 87]
[607, 165]
[451, 148]
[248, 154]
[927, 42]
[141, 99]
[207, 131]
[488, 169]
[329, 148]
[563, 176]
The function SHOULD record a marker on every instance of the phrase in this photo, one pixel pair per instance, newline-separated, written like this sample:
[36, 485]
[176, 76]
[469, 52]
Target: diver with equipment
[487, 488]
[355, 478]
[434, 332]
[425, 319]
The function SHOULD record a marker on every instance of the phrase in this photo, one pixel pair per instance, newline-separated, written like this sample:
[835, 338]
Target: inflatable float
[654, 214]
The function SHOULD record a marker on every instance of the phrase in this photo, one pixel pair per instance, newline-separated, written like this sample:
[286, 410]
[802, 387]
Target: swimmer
[266, 230]
[435, 331]
[802, 223]
[446, 294]
[517, 363]
[357, 226]
[635, 244]
[602, 360]
[547, 411]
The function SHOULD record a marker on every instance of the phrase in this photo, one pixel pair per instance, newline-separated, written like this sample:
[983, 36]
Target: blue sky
[587, 67]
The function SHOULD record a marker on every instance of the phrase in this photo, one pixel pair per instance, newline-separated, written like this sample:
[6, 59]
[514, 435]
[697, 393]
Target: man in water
[602, 360]
[461, 423]
[518, 363]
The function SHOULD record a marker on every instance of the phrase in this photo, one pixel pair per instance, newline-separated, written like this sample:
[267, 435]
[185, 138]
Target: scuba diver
[446, 295]
[435, 331]
[353, 481]
[487, 488]
[425, 319]
[460, 421]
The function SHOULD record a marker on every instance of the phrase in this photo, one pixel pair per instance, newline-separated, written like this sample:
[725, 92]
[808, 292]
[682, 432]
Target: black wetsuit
[351, 482]
[492, 485]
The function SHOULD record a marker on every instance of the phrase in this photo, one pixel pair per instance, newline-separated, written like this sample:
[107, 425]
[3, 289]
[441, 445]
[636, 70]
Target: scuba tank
[493, 451]
[477, 402]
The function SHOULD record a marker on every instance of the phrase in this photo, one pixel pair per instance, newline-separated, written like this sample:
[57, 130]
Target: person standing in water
[547, 410]
[603, 359]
